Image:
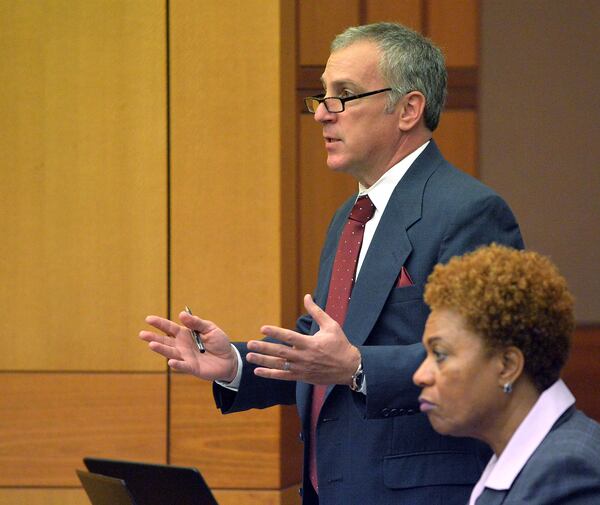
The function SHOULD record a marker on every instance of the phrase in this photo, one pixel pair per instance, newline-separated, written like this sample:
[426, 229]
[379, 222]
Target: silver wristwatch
[357, 378]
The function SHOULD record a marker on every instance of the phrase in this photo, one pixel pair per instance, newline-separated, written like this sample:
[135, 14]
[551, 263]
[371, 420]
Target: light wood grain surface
[82, 183]
[50, 421]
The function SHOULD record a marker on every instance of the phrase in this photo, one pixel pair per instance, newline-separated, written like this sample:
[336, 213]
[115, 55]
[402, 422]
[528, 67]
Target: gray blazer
[564, 469]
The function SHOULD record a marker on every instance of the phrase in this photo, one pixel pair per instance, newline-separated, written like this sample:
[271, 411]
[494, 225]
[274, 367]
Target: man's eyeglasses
[335, 103]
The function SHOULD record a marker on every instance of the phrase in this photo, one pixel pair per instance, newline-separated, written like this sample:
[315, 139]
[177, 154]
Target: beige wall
[540, 147]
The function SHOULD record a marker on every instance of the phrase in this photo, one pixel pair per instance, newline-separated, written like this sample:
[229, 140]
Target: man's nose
[322, 115]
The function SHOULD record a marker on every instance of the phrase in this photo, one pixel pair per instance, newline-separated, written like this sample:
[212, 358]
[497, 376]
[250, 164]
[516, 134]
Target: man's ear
[512, 364]
[412, 108]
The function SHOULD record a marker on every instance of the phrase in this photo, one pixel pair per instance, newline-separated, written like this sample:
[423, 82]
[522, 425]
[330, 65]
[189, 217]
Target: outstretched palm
[177, 345]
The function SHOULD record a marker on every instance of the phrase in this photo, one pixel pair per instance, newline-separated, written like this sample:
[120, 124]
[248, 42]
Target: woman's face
[460, 378]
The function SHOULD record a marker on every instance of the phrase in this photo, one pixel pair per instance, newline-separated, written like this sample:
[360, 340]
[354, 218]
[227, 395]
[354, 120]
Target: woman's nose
[422, 377]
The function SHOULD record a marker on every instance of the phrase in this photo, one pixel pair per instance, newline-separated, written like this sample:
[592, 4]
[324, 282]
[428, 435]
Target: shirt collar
[551, 404]
[382, 190]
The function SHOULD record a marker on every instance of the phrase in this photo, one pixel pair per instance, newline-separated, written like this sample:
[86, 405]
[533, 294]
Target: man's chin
[336, 165]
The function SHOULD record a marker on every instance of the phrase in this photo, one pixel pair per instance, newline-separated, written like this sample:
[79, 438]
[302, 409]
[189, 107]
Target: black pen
[195, 334]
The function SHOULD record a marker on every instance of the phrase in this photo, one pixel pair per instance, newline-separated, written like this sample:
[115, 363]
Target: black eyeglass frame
[322, 99]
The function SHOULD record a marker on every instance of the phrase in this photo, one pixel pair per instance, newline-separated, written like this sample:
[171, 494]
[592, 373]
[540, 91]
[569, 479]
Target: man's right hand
[219, 362]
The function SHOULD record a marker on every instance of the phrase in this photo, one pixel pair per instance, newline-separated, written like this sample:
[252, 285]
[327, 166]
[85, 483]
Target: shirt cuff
[363, 386]
[234, 385]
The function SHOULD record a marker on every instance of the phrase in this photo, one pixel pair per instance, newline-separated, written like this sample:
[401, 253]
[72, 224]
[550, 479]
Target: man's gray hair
[409, 62]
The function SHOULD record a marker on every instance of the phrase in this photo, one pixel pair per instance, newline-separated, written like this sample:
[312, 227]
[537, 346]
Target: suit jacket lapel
[389, 249]
[387, 253]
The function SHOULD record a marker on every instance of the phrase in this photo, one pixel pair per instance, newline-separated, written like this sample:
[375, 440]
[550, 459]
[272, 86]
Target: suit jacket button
[385, 412]
[301, 491]
[301, 437]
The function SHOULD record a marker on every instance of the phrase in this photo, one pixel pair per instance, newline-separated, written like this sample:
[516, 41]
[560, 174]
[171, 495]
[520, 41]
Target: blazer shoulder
[448, 176]
[575, 432]
[565, 468]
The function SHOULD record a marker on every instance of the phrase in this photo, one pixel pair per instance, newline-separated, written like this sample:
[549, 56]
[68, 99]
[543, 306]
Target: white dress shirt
[380, 194]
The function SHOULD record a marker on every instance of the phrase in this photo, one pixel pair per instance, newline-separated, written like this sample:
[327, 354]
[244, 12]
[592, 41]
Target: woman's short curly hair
[510, 298]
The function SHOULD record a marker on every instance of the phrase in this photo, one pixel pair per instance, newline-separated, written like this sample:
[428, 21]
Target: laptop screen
[103, 490]
[153, 484]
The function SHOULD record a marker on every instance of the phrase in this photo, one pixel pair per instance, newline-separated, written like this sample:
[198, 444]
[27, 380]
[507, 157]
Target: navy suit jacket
[563, 470]
[377, 449]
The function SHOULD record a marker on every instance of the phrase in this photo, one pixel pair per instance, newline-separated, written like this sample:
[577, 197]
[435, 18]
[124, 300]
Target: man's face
[364, 139]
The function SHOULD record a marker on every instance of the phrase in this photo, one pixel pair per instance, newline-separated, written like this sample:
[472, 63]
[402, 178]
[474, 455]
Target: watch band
[357, 378]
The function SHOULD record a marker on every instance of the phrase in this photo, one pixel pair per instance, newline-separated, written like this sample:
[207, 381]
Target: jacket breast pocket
[443, 468]
[407, 294]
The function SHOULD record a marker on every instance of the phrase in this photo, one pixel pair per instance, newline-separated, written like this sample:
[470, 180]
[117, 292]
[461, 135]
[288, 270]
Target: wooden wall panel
[454, 26]
[233, 220]
[319, 23]
[248, 442]
[227, 143]
[47, 496]
[407, 12]
[582, 372]
[288, 496]
[82, 182]
[49, 422]
[457, 136]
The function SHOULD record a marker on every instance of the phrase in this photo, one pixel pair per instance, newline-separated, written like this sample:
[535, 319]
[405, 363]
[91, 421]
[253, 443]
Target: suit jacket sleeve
[254, 392]
[479, 219]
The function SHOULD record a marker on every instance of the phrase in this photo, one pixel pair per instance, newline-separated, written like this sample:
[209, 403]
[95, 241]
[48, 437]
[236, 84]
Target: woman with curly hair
[496, 341]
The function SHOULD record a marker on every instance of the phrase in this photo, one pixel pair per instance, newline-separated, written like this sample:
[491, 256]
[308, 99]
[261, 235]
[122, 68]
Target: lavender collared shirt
[500, 473]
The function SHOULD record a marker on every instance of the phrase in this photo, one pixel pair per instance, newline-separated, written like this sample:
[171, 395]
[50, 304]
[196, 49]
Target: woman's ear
[412, 108]
[513, 362]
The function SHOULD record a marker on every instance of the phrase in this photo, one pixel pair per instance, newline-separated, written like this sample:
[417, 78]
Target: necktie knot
[363, 210]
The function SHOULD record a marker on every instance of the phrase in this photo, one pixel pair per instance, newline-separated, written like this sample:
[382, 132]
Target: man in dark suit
[384, 88]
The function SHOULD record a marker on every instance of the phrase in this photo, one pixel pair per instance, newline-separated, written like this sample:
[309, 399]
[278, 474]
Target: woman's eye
[346, 93]
[439, 355]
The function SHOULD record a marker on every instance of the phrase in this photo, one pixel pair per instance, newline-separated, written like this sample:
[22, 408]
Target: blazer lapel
[491, 497]
[389, 249]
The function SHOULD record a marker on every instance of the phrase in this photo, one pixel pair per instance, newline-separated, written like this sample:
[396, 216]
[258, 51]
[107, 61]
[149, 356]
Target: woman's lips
[425, 406]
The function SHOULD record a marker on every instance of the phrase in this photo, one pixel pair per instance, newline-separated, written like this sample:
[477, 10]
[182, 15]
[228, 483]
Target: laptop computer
[103, 490]
[154, 484]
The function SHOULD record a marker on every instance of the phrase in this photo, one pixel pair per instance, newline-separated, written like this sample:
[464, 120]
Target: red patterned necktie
[340, 288]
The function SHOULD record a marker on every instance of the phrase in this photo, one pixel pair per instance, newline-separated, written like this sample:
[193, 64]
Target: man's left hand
[327, 357]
